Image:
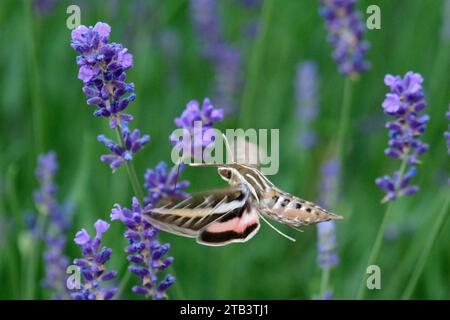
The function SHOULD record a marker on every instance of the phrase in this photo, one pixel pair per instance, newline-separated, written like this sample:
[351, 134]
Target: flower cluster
[44, 7]
[397, 186]
[225, 58]
[326, 231]
[346, 31]
[92, 265]
[56, 261]
[306, 89]
[161, 184]
[404, 102]
[45, 196]
[207, 25]
[102, 70]
[146, 254]
[195, 122]
[132, 143]
[250, 4]
[445, 31]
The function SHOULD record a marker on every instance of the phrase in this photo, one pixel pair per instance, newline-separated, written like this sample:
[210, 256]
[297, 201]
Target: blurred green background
[42, 107]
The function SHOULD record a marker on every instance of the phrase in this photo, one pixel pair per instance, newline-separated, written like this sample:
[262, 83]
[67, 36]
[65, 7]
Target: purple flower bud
[100, 227]
[135, 259]
[108, 276]
[166, 283]
[140, 271]
[109, 294]
[92, 265]
[103, 255]
[141, 290]
[82, 237]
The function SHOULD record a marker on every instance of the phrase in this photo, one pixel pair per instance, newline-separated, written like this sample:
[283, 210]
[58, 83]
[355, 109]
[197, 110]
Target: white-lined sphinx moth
[232, 215]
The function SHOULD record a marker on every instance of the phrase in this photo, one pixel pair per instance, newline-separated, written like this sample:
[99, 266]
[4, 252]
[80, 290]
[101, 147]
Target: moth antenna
[176, 176]
[227, 145]
[278, 231]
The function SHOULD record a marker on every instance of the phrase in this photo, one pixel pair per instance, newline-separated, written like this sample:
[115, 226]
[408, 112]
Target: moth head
[228, 172]
[230, 175]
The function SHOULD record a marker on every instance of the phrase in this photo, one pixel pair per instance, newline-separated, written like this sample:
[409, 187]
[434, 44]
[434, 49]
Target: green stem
[325, 278]
[178, 288]
[33, 262]
[437, 227]
[138, 192]
[10, 257]
[375, 252]
[130, 169]
[123, 283]
[344, 118]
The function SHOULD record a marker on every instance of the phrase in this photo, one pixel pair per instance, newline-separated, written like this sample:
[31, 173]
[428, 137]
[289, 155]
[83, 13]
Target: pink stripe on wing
[238, 224]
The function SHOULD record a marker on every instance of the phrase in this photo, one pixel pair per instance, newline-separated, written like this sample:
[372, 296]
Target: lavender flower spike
[92, 265]
[161, 184]
[306, 88]
[404, 102]
[56, 261]
[45, 173]
[192, 117]
[327, 256]
[102, 69]
[225, 58]
[326, 231]
[346, 31]
[146, 254]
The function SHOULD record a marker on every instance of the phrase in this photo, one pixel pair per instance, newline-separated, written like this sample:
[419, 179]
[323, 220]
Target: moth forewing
[214, 218]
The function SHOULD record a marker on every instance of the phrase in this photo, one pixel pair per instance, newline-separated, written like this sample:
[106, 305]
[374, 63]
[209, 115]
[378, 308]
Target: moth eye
[226, 173]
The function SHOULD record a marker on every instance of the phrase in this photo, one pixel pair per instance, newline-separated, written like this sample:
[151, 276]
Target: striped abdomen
[285, 208]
